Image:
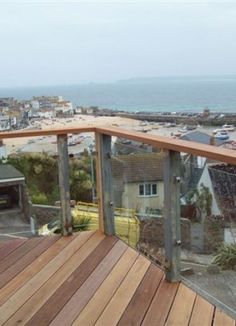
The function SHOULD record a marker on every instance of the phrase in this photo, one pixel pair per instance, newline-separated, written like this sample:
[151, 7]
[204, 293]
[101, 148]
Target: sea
[162, 94]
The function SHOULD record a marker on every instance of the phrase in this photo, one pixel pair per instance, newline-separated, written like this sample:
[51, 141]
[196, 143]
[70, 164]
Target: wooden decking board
[103, 295]
[202, 313]
[181, 310]
[27, 290]
[25, 260]
[75, 305]
[161, 304]
[221, 319]
[142, 298]
[9, 246]
[56, 302]
[32, 269]
[91, 279]
[115, 308]
[10, 259]
[26, 312]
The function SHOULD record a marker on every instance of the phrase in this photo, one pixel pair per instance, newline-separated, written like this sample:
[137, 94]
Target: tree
[41, 174]
[202, 198]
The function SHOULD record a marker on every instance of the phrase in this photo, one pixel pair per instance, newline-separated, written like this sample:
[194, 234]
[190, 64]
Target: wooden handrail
[45, 132]
[209, 151]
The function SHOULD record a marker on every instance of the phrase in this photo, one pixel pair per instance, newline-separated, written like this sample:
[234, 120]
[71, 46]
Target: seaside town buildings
[16, 114]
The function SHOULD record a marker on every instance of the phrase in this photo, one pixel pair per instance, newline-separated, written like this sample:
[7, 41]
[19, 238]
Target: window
[148, 189]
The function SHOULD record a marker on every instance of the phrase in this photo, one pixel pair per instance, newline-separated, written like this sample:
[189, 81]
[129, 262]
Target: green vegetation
[41, 173]
[226, 256]
[202, 198]
[126, 223]
[81, 224]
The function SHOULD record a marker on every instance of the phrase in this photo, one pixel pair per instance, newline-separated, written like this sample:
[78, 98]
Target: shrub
[81, 224]
[78, 224]
[226, 256]
[40, 199]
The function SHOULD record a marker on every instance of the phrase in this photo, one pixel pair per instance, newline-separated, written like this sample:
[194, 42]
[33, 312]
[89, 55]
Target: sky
[71, 42]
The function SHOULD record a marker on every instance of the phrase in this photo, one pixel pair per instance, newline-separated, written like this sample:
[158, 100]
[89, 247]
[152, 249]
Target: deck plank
[27, 311]
[115, 308]
[142, 298]
[181, 310]
[56, 302]
[96, 305]
[9, 246]
[28, 258]
[88, 279]
[161, 304]
[18, 281]
[202, 314]
[74, 306]
[19, 252]
[221, 319]
[26, 291]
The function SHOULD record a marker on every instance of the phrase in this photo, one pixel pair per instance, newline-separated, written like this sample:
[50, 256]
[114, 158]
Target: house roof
[143, 167]
[223, 179]
[200, 137]
[8, 172]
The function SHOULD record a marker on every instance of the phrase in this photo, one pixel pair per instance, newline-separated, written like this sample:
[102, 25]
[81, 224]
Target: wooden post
[172, 215]
[104, 184]
[63, 172]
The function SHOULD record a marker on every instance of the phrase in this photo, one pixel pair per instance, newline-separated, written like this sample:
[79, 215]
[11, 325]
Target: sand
[91, 121]
[77, 121]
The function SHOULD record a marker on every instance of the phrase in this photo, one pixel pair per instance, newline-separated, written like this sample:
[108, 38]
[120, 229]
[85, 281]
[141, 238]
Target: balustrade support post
[104, 184]
[64, 185]
[172, 164]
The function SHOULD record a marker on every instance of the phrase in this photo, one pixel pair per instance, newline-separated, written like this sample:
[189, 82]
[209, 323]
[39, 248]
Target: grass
[226, 256]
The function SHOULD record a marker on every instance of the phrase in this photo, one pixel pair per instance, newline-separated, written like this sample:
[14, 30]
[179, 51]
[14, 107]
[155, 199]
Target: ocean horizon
[162, 94]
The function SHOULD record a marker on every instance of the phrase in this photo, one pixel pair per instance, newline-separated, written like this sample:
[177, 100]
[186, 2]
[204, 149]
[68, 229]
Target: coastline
[152, 127]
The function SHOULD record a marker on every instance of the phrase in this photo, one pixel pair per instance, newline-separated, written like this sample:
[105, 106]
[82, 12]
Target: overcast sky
[56, 42]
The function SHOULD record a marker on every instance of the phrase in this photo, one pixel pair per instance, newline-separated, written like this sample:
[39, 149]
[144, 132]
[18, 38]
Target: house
[202, 138]
[15, 213]
[196, 167]
[5, 123]
[11, 188]
[223, 178]
[138, 182]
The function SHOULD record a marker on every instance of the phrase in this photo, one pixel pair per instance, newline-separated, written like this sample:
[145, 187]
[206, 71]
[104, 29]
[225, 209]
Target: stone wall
[45, 214]
[151, 240]
[213, 233]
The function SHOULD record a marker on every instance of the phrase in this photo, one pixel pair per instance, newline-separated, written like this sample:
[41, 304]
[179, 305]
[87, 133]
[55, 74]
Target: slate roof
[145, 167]
[9, 172]
[200, 137]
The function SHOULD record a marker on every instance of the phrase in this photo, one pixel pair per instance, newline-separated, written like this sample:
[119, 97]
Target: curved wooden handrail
[209, 151]
[44, 132]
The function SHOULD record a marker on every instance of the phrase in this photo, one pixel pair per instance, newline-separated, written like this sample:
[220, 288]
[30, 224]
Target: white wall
[206, 180]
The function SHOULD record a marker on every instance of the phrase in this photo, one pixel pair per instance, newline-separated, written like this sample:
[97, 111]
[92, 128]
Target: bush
[40, 199]
[78, 224]
[81, 224]
[226, 256]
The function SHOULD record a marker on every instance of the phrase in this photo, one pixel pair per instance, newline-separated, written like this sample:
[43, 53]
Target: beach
[48, 144]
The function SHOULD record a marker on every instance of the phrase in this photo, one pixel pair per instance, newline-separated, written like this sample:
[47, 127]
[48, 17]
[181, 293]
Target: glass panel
[137, 172]
[154, 189]
[141, 190]
[29, 186]
[83, 181]
[29, 191]
[147, 189]
[208, 225]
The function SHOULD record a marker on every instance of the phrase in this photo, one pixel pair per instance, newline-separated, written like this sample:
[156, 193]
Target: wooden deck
[92, 279]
